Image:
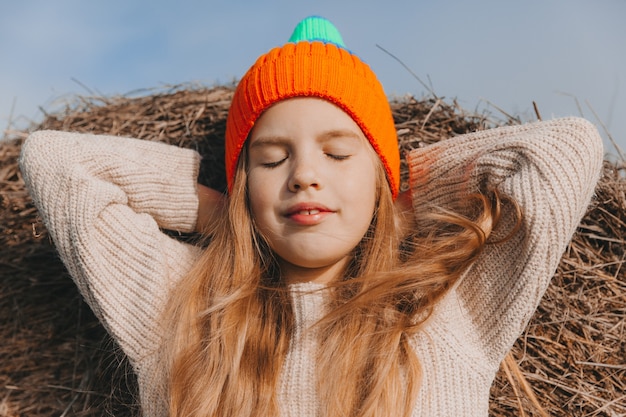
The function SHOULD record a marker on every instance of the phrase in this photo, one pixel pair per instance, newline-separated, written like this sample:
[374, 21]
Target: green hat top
[317, 28]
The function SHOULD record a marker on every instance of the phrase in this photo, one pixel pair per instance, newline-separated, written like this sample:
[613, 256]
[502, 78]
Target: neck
[294, 274]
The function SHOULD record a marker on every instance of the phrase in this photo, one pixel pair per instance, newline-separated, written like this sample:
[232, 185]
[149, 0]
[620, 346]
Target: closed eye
[274, 164]
[338, 157]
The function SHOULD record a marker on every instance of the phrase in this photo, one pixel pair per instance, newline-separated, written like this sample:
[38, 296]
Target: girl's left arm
[550, 170]
[105, 201]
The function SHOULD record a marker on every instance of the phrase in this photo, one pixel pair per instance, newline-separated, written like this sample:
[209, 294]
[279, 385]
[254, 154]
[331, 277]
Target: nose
[303, 175]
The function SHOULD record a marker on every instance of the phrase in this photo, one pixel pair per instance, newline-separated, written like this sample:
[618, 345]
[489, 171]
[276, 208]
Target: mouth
[307, 209]
[308, 213]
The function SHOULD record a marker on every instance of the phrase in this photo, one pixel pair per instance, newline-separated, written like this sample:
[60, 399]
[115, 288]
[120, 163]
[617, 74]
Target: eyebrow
[324, 137]
[337, 133]
[267, 141]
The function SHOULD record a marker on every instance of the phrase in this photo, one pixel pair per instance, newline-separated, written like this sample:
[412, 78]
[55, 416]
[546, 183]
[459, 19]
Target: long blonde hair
[230, 320]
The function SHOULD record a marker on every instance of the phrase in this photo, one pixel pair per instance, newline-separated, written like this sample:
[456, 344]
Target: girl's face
[312, 186]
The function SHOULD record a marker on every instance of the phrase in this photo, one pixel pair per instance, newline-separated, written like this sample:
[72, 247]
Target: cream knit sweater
[105, 200]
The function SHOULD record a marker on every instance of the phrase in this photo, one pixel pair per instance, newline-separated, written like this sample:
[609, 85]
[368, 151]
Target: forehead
[304, 115]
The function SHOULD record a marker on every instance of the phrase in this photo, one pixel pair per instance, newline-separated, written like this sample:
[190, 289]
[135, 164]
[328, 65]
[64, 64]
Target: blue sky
[569, 56]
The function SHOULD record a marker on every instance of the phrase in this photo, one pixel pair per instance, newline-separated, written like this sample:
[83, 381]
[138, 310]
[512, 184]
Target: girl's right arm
[104, 200]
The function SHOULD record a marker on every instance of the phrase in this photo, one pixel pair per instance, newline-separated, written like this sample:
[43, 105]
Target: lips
[308, 214]
[307, 208]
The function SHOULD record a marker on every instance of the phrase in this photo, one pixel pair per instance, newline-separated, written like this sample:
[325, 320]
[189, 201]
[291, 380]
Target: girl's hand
[211, 207]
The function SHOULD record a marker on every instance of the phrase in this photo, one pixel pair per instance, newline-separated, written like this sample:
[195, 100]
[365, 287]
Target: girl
[322, 290]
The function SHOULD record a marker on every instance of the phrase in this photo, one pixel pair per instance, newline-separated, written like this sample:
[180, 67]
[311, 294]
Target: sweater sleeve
[550, 169]
[104, 200]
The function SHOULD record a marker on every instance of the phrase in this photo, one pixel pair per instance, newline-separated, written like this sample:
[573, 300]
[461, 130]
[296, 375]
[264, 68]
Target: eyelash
[331, 156]
[273, 164]
[338, 157]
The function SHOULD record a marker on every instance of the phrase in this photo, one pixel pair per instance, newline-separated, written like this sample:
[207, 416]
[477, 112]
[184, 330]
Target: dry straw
[56, 359]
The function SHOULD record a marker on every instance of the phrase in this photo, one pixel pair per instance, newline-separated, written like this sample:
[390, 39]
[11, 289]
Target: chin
[309, 266]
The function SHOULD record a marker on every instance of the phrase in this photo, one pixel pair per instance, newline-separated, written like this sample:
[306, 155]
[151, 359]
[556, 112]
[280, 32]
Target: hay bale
[57, 359]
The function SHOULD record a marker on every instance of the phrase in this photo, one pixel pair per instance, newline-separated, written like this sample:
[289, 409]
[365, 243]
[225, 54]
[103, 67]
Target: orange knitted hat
[314, 63]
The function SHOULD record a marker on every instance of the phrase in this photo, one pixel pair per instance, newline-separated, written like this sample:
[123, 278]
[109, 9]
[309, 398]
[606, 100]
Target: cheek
[358, 191]
[260, 198]
[255, 200]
